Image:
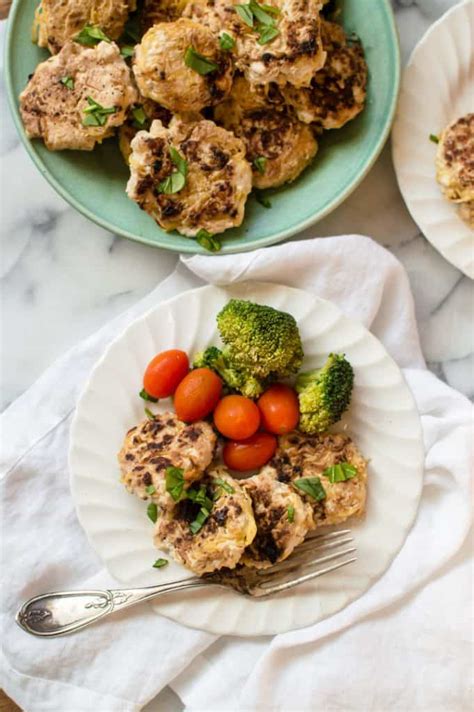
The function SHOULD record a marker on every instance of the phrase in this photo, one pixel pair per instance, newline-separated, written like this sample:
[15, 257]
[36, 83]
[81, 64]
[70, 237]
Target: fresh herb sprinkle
[152, 512]
[91, 35]
[311, 486]
[200, 64]
[434, 138]
[68, 82]
[226, 42]
[147, 397]
[207, 241]
[159, 563]
[340, 472]
[291, 514]
[260, 163]
[174, 482]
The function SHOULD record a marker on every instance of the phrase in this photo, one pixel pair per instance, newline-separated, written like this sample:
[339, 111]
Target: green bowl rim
[193, 248]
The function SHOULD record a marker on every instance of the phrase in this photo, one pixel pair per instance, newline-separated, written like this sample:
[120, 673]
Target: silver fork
[53, 614]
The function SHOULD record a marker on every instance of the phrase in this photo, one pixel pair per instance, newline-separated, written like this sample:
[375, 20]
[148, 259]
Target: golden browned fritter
[217, 182]
[76, 98]
[282, 519]
[301, 455]
[140, 118]
[279, 147]
[337, 92]
[155, 11]
[455, 160]
[294, 55]
[222, 538]
[163, 75]
[57, 21]
[156, 444]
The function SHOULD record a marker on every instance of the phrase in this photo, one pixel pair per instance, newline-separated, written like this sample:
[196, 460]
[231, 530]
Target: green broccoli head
[235, 379]
[260, 340]
[324, 394]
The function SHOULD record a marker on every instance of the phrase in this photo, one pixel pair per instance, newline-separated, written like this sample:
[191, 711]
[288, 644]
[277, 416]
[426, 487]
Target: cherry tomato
[279, 409]
[250, 454]
[237, 417]
[197, 395]
[164, 373]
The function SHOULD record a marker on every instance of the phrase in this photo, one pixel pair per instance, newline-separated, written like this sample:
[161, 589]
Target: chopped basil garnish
[199, 496]
[226, 42]
[261, 14]
[149, 414]
[200, 520]
[159, 563]
[91, 35]
[147, 397]
[177, 180]
[311, 486]
[267, 34]
[340, 473]
[140, 119]
[152, 511]
[175, 482]
[225, 486]
[202, 65]
[434, 138]
[180, 162]
[151, 489]
[208, 241]
[68, 82]
[260, 163]
[127, 51]
[245, 14]
[291, 514]
[95, 114]
[262, 199]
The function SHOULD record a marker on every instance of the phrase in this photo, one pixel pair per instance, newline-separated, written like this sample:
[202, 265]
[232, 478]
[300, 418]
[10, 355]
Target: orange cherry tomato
[250, 454]
[164, 373]
[197, 395]
[237, 417]
[279, 409]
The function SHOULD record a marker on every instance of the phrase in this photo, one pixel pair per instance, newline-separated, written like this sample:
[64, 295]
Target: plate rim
[419, 465]
[421, 224]
[193, 248]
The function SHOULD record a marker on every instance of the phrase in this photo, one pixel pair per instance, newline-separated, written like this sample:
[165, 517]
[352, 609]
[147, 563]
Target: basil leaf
[152, 511]
[291, 514]
[178, 160]
[159, 563]
[174, 482]
[271, 9]
[245, 14]
[311, 486]
[149, 414]
[199, 521]
[340, 473]
[127, 51]
[260, 163]
[434, 138]
[68, 82]
[147, 397]
[151, 489]
[173, 184]
[95, 114]
[225, 486]
[91, 35]
[267, 34]
[226, 42]
[202, 65]
[199, 496]
[262, 199]
[259, 13]
[208, 241]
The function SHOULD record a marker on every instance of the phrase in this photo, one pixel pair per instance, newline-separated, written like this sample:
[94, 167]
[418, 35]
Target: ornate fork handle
[53, 614]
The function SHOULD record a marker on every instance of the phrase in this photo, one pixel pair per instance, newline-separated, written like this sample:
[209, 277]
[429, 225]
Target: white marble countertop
[63, 277]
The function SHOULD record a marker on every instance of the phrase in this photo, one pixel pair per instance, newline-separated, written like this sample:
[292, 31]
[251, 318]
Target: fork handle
[53, 614]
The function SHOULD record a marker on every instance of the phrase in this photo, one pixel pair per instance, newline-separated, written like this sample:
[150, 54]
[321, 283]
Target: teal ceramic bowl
[94, 183]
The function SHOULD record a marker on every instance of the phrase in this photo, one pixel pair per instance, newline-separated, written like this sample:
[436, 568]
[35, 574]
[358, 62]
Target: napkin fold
[120, 664]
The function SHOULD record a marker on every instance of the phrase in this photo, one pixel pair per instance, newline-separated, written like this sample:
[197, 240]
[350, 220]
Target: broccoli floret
[324, 394]
[260, 340]
[235, 379]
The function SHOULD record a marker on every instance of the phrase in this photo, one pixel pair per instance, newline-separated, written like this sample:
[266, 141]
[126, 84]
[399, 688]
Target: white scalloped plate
[437, 88]
[382, 418]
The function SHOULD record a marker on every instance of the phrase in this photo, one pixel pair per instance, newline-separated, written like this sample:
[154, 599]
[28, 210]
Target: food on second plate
[191, 176]
[279, 408]
[76, 98]
[57, 21]
[164, 373]
[337, 92]
[197, 395]
[328, 471]
[279, 147]
[455, 164]
[181, 66]
[282, 519]
[155, 11]
[211, 528]
[249, 454]
[324, 394]
[163, 442]
[237, 417]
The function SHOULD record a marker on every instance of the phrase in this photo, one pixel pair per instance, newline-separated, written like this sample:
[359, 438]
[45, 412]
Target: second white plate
[382, 419]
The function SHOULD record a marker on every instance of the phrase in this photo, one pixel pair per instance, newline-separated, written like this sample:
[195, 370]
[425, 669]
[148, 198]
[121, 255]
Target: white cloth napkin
[403, 646]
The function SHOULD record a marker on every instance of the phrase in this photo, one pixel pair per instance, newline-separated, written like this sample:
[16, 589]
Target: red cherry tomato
[237, 417]
[250, 454]
[164, 373]
[279, 409]
[197, 395]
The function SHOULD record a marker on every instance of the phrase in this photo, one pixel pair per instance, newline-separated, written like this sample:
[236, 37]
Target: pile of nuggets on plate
[220, 96]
